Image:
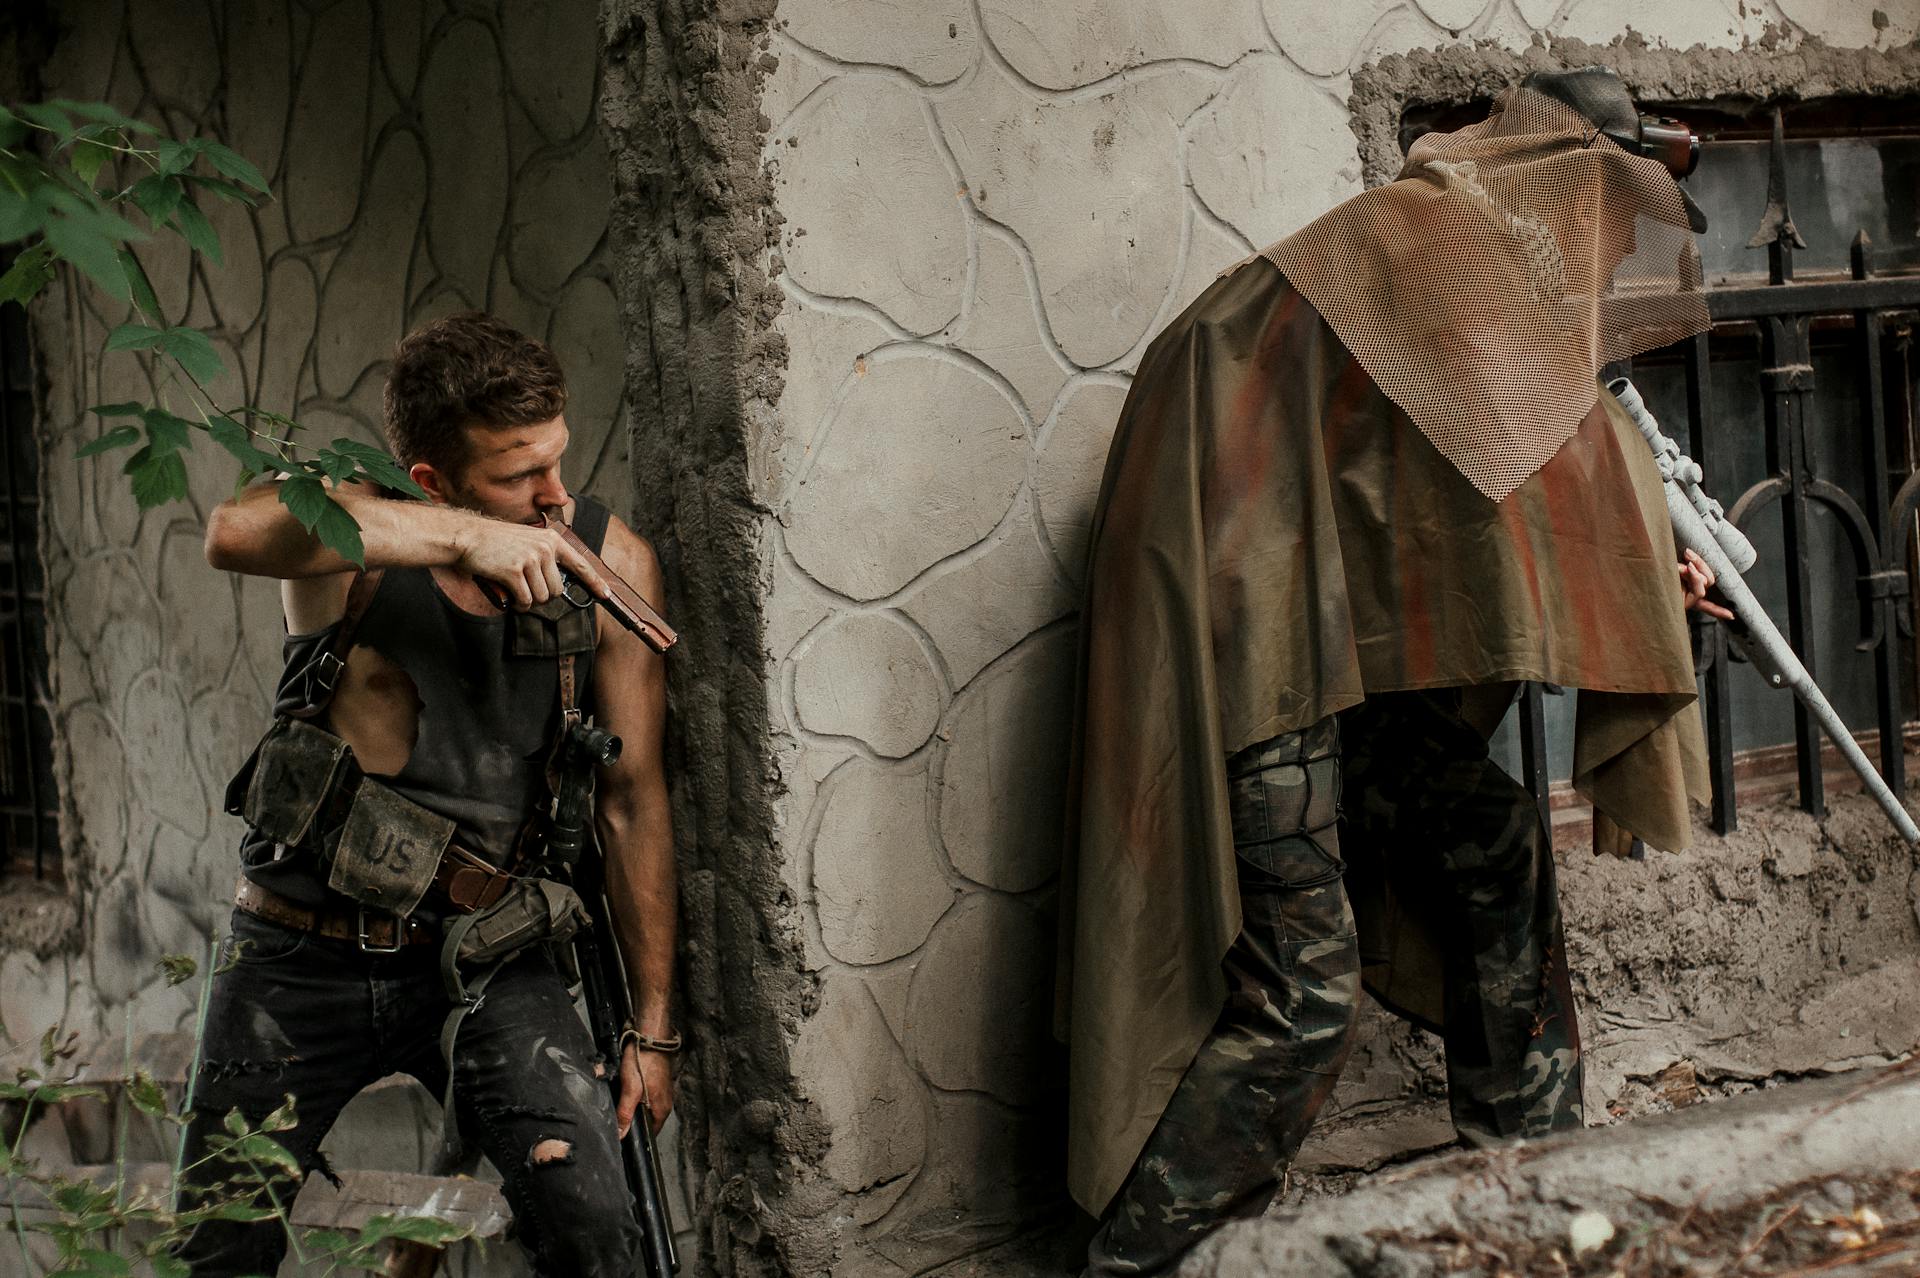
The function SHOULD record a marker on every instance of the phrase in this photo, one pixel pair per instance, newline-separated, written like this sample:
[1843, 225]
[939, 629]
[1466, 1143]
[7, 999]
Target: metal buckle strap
[367, 945]
[322, 674]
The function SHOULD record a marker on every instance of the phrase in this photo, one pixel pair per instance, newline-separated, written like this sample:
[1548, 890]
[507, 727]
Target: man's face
[511, 473]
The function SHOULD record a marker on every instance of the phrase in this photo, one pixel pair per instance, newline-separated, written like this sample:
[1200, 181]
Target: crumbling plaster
[986, 209]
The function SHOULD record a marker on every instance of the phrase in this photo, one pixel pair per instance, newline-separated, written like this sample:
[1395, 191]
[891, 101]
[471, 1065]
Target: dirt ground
[1834, 1227]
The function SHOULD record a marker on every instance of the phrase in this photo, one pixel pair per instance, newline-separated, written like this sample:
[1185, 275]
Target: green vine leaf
[178, 968]
[20, 215]
[224, 189]
[233, 437]
[165, 1266]
[243, 1212]
[91, 1262]
[77, 242]
[89, 158]
[140, 286]
[167, 433]
[80, 1197]
[147, 1096]
[173, 157]
[134, 337]
[261, 1148]
[234, 166]
[194, 351]
[47, 116]
[158, 197]
[282, 1119]
[101, 113]
[322, 516]
[420, 1229]
[337, 466]
[383, 469]
[157, 478]
[32, 270]
[193, 224]
[118, 437]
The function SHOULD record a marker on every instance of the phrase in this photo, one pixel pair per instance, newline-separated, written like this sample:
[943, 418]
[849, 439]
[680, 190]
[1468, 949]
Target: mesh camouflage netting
[1485, 288]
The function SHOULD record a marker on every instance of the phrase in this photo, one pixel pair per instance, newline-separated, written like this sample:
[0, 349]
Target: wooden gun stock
[624, 602]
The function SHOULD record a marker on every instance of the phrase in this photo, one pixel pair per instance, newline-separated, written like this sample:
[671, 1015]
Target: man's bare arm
[255, 534]
[633, 819]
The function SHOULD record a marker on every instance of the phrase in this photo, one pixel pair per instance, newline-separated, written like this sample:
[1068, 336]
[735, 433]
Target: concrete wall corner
[691, 227]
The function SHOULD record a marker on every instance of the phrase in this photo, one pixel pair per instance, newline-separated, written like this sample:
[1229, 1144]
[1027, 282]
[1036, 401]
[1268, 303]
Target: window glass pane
[1836, 187]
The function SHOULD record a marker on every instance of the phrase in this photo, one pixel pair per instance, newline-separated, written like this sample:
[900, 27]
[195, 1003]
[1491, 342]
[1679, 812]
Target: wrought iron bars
[1783, 310]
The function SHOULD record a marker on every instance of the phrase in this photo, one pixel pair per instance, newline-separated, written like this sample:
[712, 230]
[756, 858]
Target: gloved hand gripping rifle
[574, 853]
[1703, 527]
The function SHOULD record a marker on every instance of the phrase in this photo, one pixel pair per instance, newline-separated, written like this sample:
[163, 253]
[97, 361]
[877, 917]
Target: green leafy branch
[103, 1228]
[74, 177]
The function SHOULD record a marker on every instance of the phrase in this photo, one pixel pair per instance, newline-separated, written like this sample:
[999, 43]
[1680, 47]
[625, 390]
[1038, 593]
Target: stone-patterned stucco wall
[424, 158]
[990, 207]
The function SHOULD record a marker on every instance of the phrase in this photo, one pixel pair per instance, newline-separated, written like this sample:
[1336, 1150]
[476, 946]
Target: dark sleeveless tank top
[489, 711]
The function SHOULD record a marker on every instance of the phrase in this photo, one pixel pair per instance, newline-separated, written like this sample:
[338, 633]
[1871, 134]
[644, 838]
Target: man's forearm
[255, 534]
[641, 894]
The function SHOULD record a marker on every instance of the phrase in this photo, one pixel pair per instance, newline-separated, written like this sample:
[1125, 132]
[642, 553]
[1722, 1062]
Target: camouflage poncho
[1275, 540]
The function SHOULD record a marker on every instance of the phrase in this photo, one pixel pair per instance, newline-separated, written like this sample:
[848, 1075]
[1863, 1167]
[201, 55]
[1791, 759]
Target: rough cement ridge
[1859, 1126]
[1783, 66]
[691, 223]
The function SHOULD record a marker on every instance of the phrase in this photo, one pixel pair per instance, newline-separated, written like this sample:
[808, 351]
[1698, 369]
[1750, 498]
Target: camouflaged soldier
[1366, 485]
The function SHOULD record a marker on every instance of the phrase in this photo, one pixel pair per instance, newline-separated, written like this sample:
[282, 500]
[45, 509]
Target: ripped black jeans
[321, 1019]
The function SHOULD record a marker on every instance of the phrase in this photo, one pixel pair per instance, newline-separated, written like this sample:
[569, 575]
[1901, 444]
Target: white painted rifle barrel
[1700, 525]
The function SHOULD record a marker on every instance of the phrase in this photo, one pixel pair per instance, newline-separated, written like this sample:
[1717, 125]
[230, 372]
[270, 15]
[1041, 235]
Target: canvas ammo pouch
[533, 912]
[294, 789]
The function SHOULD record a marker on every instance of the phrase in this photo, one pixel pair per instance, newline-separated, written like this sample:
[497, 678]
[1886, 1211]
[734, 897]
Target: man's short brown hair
[466, 370]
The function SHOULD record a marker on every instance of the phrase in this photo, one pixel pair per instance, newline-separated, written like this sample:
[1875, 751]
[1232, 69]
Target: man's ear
[430, 480]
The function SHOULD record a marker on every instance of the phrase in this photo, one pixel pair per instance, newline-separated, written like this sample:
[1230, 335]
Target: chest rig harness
[303, 788]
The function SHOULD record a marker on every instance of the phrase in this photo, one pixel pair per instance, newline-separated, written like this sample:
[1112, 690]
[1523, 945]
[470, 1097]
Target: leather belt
[374, 932]
[467, 881]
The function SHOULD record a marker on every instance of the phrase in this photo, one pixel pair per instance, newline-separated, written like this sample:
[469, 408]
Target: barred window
[29, 838]
[1819, 466]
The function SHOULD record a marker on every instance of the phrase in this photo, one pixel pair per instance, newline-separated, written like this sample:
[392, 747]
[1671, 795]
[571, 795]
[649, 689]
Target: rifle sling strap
[466, 996]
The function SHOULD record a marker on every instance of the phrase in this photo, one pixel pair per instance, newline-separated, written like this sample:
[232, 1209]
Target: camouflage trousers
[1453, 833]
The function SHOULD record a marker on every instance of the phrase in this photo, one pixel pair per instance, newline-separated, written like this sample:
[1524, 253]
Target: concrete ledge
[1778, 1174]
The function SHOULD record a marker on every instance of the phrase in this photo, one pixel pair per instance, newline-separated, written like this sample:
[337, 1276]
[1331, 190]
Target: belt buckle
[366, 942]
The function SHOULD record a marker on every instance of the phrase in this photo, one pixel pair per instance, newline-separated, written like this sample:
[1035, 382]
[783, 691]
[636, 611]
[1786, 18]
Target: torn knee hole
[551, 1152]
[599, 1069]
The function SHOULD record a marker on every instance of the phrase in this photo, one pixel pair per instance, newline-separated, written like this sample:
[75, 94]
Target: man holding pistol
[396, 811]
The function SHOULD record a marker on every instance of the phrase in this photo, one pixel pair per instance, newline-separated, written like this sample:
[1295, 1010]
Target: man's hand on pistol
[1696, 579]
[525, 562]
